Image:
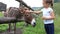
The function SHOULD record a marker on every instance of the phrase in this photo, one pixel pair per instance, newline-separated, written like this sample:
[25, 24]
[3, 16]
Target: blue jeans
[49, 28]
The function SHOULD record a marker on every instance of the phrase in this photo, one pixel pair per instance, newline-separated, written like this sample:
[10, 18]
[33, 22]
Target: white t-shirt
[46, 13]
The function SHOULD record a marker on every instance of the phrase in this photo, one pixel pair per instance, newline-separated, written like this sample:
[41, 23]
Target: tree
[56, 1]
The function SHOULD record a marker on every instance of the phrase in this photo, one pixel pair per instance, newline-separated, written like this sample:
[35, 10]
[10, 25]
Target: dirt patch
[18, 31]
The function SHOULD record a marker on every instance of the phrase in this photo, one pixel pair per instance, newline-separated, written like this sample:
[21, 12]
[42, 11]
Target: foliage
[57, 8]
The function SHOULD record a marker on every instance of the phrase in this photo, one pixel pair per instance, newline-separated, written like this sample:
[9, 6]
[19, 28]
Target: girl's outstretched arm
[36, 12]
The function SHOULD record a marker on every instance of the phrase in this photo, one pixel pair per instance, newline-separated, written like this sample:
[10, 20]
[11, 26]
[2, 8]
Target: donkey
[18, 13]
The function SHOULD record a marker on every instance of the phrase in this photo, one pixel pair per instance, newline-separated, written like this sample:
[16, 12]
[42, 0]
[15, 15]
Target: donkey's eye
[26, 9]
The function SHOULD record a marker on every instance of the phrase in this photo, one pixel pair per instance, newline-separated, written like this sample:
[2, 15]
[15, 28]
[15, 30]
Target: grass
[39, 29]
[57, 25]
[57, 8]
[35, 30]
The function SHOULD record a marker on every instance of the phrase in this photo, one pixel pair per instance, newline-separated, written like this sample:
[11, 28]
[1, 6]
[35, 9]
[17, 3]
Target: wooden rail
[23, 3]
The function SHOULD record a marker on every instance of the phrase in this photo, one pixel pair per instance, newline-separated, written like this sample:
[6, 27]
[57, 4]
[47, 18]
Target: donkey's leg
[9, 27]
[14, 28]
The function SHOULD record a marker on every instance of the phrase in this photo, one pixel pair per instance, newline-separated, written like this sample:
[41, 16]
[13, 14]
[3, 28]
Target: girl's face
[45, 4]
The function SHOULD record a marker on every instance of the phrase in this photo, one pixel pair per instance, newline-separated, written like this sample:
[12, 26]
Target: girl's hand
[43, 18]
[29, 11]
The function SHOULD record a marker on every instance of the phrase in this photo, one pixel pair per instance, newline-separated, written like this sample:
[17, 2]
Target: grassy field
[57, 8]
[39, 29]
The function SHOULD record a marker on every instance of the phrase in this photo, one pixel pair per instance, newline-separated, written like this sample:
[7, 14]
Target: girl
[48, 17]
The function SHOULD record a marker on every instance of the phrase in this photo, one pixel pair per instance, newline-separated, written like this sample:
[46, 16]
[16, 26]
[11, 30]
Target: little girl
[48, 17]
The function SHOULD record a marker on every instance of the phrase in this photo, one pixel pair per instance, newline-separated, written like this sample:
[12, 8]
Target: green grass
[3, 27]
[57, 8]
[39, 29]
[35, 30]
[57, 25]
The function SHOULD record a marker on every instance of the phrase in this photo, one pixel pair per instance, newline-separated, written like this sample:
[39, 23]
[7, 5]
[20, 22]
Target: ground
[18, 31]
